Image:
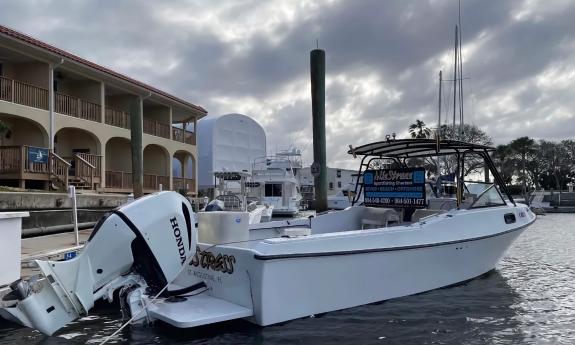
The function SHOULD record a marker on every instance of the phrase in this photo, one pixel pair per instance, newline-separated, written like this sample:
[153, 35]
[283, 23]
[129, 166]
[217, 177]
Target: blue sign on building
[394, 187]
[37, 155]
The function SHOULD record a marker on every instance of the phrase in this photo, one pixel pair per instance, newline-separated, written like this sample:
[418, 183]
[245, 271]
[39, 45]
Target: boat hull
[289, 288]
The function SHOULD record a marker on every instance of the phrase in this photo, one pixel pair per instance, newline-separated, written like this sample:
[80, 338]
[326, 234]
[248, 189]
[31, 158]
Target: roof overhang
[42, 51]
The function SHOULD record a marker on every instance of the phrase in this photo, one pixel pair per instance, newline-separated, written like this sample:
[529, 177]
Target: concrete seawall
[52, 213]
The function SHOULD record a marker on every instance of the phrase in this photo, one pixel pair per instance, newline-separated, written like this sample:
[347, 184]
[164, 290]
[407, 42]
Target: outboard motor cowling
[144, 243]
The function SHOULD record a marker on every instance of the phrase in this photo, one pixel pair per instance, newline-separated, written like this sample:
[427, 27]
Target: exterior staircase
[59, 170]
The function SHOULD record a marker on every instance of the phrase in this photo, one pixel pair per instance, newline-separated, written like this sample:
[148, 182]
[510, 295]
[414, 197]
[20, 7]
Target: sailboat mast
[455, 83]
[460, 77]
[438, 133]
[439, 104]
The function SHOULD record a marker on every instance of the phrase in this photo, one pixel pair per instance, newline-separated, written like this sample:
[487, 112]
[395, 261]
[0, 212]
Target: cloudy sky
[383, 59]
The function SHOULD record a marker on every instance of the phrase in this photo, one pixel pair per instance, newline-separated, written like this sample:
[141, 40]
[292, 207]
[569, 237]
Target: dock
[49, 247]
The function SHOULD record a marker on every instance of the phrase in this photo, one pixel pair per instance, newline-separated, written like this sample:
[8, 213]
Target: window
[338, 184]
[273, 189]
[489, 197]
[1, 69]
[331, 185]
[339, 173]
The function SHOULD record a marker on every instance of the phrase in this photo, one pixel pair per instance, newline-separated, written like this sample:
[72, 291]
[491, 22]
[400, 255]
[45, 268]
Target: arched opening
[23, 153]
[82, 150]
[21, 131]
[69, 141]
[184, 171]
[156, 168]
[118, 164]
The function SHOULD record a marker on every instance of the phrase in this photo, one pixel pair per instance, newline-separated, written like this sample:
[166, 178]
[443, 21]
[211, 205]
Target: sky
[382, 60]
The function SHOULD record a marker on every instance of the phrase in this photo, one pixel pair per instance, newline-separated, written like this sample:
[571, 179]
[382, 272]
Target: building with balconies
[67, 121]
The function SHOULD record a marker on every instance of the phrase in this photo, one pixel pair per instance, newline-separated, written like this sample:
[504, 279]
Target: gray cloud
[382, 60]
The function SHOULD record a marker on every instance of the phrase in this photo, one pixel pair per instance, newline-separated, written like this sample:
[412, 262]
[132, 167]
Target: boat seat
[374, 217]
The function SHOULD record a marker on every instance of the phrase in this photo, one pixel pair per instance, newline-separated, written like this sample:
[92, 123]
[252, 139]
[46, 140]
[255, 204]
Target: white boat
[236, 199]
[344, 197]
[281, 270]
[274, 182]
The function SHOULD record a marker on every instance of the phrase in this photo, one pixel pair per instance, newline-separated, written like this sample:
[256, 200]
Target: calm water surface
[528, 299]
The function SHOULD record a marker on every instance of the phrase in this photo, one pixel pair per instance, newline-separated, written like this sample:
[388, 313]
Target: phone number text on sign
[403, 187]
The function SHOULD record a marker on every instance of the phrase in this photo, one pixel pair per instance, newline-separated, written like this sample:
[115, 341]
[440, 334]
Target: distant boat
[275, 182]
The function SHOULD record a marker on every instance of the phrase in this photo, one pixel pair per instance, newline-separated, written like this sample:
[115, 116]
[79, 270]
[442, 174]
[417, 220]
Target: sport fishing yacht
[274, 182]
[398, 243]
[232, 195]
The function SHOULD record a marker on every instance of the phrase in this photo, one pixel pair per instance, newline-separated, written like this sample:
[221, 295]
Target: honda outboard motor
[141, 245]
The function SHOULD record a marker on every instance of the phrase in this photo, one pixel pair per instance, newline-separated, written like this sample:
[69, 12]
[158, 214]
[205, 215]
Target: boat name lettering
[208, 260]
[393, 175]
[179, 241]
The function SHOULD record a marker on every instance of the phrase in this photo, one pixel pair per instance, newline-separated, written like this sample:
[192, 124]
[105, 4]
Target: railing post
[22, 161]
[12, 91]
[79, 110]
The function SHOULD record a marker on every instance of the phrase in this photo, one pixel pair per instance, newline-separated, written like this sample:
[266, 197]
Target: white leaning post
[72, 195]
[10, 246]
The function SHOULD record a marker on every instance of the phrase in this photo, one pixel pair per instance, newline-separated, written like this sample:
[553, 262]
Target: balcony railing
[123, 180]
[23, 93]
[15, 160]
[156, 128]
[118, 118]
[180, 183]
[184, 136]
[37, 97]
[77, 107]
[118, 179]
[153, 182]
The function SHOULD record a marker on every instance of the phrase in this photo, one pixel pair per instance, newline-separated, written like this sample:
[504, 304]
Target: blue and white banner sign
[394, 187]
[37, 155]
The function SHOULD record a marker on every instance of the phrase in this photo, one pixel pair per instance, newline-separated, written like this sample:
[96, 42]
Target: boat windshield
[485, 195]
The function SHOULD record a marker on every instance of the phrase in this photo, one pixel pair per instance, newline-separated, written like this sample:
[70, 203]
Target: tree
[524, 148]
[419, 130]
[556, 164]
[503, 160]
[471, 134]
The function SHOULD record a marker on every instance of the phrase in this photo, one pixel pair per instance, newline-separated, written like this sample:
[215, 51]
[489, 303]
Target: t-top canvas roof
[406, 148]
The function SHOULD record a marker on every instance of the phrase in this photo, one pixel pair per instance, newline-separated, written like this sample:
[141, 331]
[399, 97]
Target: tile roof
[64, 54]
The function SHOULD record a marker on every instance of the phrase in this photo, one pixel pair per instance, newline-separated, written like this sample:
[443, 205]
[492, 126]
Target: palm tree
[523, 147]
[419, 130]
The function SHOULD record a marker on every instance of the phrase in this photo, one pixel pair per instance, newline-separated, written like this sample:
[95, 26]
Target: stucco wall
[35, 73]
[158, 113]
[156, 160]
[84, 89]
[118, 155]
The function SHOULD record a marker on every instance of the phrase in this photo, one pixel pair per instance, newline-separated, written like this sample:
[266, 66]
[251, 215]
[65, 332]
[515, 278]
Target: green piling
[319, 166]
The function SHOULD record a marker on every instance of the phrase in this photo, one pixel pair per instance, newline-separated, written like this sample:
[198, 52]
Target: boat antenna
[455, 82]
[461, 123]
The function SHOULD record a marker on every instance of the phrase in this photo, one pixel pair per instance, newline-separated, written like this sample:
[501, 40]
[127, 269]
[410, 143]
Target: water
[528, 299]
